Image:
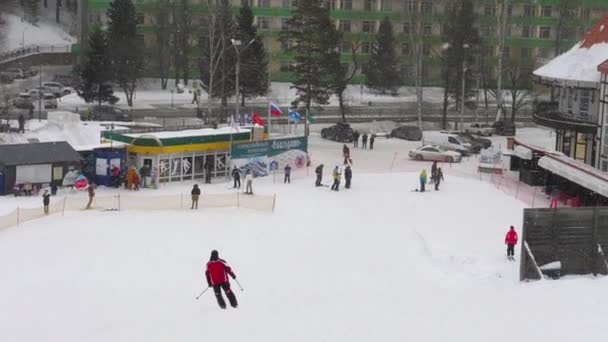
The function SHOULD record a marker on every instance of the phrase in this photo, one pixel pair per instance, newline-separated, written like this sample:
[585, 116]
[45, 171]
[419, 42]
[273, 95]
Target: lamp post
[235, 44]
[464, 70]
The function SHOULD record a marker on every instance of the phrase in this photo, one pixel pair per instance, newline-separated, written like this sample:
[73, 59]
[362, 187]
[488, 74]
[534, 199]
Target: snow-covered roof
[580, 63]
[191, 133]
[522, 152]
[577, 172]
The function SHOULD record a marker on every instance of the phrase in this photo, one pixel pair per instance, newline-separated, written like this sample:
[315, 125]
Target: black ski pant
[356, 142]
[237, 183]
[217, 289]
[422, 189]
[318, 181]
[437, 184]
[347, 183]
[510, 249]
[364, 143]
[287, 179]
[371, 145]
[336, 185]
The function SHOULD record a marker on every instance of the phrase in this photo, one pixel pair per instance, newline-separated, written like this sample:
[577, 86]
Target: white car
[479, 128]
[57, 88]
[435, 153]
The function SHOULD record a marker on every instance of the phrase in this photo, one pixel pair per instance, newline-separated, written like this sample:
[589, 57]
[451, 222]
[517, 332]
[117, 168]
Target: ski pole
[205, 290]
[239, 284]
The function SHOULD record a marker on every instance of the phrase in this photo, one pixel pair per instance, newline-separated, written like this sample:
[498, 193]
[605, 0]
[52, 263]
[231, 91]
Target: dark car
[109, 113]
[407, 133]
[341, 132]
[476, 140]
[504, 128]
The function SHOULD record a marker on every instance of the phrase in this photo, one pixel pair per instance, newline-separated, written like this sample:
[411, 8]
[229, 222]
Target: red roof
[603, 68]
[597, 34]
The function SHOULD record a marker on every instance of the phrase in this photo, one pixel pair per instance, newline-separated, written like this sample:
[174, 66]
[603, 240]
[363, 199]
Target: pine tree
[382, 70]
[126, 51]
[31, 10]
[253, 78]
[311, 35]
[96, 73]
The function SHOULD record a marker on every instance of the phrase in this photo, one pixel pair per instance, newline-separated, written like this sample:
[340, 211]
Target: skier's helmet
[214, 255]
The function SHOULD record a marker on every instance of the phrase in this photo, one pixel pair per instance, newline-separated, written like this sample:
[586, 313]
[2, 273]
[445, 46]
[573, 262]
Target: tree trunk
[57, 6]
[341, 103]
[444, 115]
[501, 23]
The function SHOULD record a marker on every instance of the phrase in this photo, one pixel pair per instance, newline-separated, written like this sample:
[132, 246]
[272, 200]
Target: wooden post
[17, 216]
[118, 196]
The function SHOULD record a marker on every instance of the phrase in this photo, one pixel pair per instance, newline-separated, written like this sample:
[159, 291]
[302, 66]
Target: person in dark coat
[217, 277]
[144, 173]
[346, 153]
[364, 141]
[433, 171]
[208, 170]
[319, 173]
[54, 189]
[348, 175]
[46, 200]
[287, 174]
[371, 141]
[196, 193]
[236, 175]
[21, 121]
[355, 139]
[438, 178]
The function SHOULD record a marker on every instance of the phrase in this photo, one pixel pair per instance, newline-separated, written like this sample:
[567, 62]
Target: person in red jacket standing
[511, 241]
[217, 277]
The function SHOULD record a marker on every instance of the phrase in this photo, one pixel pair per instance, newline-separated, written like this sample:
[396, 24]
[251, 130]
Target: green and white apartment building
[532, 27]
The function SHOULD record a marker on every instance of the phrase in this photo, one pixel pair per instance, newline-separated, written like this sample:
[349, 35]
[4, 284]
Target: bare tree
[566, 10]
[343, 75]
[182, 36]
[501, 25]
[517, 74]
[161, 26]
[414, 10]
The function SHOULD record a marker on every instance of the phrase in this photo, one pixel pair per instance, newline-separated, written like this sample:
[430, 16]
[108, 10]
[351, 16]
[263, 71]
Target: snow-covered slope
[377, 262]
[21, 33]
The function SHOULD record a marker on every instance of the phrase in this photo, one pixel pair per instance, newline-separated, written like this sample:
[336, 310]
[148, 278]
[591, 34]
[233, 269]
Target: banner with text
[264, 157]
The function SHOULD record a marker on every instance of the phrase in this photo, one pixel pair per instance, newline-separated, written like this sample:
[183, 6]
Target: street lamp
[235, 44]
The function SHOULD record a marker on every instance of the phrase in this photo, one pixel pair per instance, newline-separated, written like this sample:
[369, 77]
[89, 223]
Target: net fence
[140, 203]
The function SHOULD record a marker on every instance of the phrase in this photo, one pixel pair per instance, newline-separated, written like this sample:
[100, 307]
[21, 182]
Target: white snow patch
[554, 265]
[22, 33]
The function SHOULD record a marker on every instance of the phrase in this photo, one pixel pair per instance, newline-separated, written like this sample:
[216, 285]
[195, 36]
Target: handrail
[34, 49]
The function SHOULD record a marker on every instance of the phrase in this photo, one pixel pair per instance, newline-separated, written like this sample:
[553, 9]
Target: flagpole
[268, 103]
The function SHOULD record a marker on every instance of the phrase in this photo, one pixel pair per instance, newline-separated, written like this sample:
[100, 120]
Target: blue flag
[295, 116]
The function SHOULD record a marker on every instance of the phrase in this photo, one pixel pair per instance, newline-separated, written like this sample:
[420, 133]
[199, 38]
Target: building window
[586, 14]
[366, 47]
[545, 32]
[387, 5]
[526, 31]
[406, 28]
[410, 6]
[510, 10]
[140, 18]
[346, 46]
[346, 4]
[368, 27]
[286, 3]
[369, 5]
[529, 11]
[345, 25]
[583, 104]
[427, 7]
[506, 52]
[545, 11]
[489, 10]
[487, 31]
[263, 23]
[570, 98]
[331, 4]
[427, 29]
[581, 147]
[406, 49]
[566, 140]
[264, 3]
[426, 49]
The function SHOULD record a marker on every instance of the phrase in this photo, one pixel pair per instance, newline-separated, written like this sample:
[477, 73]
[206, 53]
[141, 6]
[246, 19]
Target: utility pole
[40, 94]
[464, 72]
[501, 21]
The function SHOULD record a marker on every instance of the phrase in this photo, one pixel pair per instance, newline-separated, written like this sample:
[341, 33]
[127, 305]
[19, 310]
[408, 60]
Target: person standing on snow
[355, 139]
[195, 193]
[346, 154]
[21, 121]
[371, 141]
[217, 277]
[337, 177]
[249, 183]
[423, 180]
[511, 241]
[236, 174]
[319, 173]
[287, 174]
[433, 172]
[91, 191]
[364, 141]
[348, 175]
[46, 200]
[438, 178]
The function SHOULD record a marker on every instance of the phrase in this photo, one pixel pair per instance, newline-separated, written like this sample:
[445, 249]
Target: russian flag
[257, 119]
[275, 110]
[295, 116]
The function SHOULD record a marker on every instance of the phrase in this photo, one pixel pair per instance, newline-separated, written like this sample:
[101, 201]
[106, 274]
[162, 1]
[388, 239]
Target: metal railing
[33, 50]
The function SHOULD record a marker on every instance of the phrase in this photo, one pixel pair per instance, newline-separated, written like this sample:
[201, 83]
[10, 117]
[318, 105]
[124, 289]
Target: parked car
[109, 113]
[6, 78]
[23, 101]
[504, 127]
[27, 73]
[17, 73]
[435, 153]
[57, 88]
[479, 128]
[407, 133]
[472, 138]
[446, 141]
[339, 132]
[50, 101]
[66, 80]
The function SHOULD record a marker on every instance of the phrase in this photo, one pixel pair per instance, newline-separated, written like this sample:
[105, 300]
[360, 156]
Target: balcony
[547, 114]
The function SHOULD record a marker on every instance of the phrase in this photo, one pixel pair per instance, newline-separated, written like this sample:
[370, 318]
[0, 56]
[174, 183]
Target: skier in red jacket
[217, 277]
[511, 241]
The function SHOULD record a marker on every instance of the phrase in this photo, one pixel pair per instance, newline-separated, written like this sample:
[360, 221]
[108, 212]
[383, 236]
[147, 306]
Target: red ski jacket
[217, 272]
[511, 237]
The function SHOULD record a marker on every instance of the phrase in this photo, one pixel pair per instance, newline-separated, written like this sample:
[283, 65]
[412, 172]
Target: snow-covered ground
[21, 33]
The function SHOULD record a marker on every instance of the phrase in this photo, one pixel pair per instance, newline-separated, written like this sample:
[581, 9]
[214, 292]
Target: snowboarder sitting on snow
[248, 182]
[511, 241]
[337, 176]
[348, 175]
[217, 277]
[438, 178]
[319, 172]
[423, 180]
[287, 174]
[346, 153]
[196, 192]
[236, 174]
[433, 172]
[364, 141]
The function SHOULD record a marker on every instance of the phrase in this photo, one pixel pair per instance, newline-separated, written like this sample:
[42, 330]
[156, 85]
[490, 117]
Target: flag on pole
[295, 116]
[257, 119]
[275, 110]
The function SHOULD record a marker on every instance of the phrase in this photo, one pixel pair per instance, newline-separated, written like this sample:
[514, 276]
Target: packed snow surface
[577, 64]
[22, 33]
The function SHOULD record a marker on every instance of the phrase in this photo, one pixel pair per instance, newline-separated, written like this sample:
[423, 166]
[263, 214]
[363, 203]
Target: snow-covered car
[56, 88]
[50, 101]
[479, 128]
[341, 132]
[504, 127]
[407, 133]
[23, 101]
[435, 153]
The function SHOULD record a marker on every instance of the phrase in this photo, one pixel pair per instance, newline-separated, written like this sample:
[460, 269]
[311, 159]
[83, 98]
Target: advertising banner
[262, 157]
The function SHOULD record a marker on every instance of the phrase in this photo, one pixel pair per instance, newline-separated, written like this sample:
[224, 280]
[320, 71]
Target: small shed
[35, 163]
